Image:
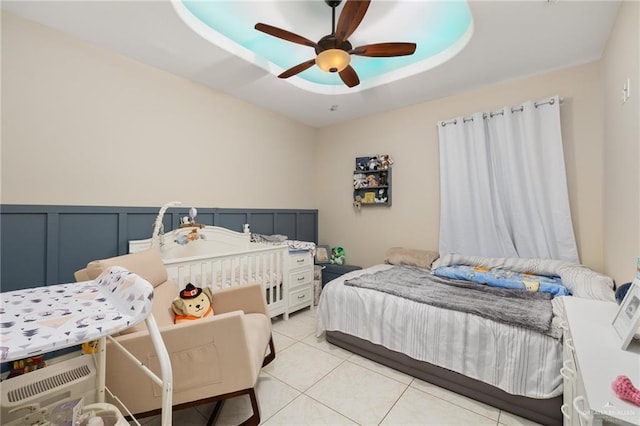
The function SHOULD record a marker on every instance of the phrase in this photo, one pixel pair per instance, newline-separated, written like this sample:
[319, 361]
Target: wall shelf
[372, 181]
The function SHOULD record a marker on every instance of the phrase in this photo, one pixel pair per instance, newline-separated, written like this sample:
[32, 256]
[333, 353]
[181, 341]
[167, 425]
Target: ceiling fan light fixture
[333, 60]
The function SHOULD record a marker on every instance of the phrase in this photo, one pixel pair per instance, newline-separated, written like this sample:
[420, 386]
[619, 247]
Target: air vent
[52, 383]
[63, 379]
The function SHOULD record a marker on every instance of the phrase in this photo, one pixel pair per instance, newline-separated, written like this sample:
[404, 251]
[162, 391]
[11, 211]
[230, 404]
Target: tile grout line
[301, 340]
[393, 405]
[458, 405]
[392, 378]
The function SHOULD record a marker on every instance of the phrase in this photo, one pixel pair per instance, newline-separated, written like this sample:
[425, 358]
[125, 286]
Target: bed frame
[543, 411]
[224, 258]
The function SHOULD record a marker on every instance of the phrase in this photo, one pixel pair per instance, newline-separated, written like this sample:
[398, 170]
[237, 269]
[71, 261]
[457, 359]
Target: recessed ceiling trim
[215, 37]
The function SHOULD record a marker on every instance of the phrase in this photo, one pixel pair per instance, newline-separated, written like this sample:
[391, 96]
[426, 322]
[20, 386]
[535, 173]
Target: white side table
[593, 360]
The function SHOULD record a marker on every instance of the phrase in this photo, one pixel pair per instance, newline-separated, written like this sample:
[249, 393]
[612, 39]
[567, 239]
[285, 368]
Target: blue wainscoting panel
[23, 250]
[286, 224]
[263, 223]
[84, 237]
[232, 220]
[206, 218]
[307, 226]
[42, 245]
[140, 225]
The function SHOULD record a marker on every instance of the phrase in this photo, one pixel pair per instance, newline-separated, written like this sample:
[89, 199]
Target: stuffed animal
[357, 202]
[359, 181]
[385, 161]
[194, 303]
[337, 256]
[383, 179]
[381, 196]
[193, 235]
[371, 181]
[373, 163]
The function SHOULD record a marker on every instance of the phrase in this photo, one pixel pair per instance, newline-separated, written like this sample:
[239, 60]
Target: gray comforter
[514, 307]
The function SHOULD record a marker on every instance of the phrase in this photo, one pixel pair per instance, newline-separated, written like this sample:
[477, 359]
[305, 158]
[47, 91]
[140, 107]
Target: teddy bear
[385, 161]
[371, 181]
[357, 202]
[194, 303]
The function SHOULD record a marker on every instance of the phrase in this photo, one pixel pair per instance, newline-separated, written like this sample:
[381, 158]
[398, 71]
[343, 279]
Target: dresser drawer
[299, 260]
[300, 278]
[301, 297]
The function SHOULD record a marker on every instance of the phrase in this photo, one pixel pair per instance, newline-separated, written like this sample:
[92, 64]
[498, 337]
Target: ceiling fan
[334, 50]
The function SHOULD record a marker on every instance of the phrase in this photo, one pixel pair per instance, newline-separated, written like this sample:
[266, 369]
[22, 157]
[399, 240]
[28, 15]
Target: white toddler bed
[219, 258]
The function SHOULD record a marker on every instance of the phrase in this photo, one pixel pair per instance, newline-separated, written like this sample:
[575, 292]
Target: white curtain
[503, 186]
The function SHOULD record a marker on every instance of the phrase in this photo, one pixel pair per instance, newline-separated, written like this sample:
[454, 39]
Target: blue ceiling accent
[440, 34]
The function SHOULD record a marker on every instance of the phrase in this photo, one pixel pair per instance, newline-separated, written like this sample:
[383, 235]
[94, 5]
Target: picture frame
[369, 197]
[627, 319]
[323, 254]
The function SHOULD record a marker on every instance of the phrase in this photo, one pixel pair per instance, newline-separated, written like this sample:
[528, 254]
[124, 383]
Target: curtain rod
[491, 114]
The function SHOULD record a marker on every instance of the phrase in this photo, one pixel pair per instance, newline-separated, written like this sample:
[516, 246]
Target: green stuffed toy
[337, 256]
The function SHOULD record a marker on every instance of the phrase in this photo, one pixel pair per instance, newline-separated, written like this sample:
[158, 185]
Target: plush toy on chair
[194, 303]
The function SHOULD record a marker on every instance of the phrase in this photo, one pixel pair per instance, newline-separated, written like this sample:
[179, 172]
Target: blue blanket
[496, 277]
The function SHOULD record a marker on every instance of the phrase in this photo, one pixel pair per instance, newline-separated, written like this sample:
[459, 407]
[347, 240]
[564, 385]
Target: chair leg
[272, 353]
[216, 412]
[254, 420]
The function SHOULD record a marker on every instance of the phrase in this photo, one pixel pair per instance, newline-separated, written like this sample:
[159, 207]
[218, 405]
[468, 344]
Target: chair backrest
[147, 264]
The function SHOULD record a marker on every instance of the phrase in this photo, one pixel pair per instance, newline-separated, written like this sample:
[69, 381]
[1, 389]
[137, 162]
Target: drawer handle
[569, 343]
[569, 366]
[300, 260]
[567, 373]
[583, 414]
[301, 296]
[564, 411]
[300, 278]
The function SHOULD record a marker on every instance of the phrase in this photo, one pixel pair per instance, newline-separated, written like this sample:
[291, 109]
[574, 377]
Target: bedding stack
[553, 276]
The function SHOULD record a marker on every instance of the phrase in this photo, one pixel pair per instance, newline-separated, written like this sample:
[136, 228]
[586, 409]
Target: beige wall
[82, 125]
[622, 145]
[410, 136]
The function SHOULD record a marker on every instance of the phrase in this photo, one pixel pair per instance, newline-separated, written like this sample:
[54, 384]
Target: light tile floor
[312, 382]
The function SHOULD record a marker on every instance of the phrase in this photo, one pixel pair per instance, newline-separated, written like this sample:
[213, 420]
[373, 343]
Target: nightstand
[331, 271]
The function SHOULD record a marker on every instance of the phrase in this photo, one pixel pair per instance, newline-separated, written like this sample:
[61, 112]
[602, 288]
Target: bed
[219, 258]
[508, 366]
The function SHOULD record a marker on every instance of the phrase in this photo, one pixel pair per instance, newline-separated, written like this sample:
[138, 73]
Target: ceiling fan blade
[350, 17]
[349, 76]
[285, 35]
[385, 49]
[297, 69]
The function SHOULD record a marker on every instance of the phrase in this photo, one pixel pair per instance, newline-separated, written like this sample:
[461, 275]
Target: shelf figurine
[381, 196]
[373, 163]
[385, 161]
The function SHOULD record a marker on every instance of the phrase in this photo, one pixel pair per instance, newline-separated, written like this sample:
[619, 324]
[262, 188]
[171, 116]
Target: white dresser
[592, 361]
[300, 289]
